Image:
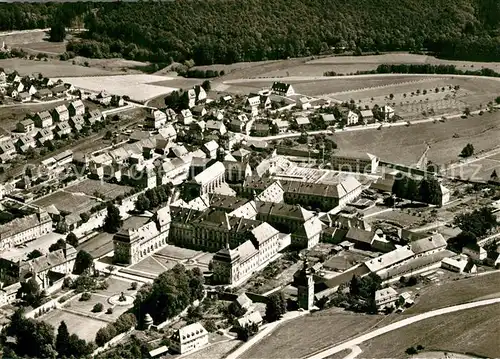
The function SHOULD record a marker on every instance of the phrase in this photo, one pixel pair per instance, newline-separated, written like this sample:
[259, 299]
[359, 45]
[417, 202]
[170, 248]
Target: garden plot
[138, 87]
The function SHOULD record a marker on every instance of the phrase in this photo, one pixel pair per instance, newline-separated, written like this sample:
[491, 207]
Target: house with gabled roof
[252, 105]
[62, 128]
[77, 123]
[7, 150]
[23, 97]
[210, 148]
[217, 126]
[59, 90]
[283, 89]
[24, 143]
[367, 116]
[43, 135]
[76, 108]
[42, 119]
[155, 119]
[25, 126]
[185, 117]
[352, 118]
[191, 98]
[43, 94]
[93, 117]
[201, 94]
[60, 114]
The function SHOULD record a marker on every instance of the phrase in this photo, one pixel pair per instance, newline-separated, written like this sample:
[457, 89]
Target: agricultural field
[138, 87]
[312, 66]
[346, 64]
[34, 41]
[456, 292]
[323, 329]
[405, 145]
[469, 331]
[217, 350]
[51, 68]
[480, 167]
[92, 187]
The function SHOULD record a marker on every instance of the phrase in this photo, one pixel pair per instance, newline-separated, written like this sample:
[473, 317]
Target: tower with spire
[305, 287]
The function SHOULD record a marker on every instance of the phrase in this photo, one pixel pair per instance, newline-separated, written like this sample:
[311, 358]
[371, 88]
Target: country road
[373, 126]
[397, 325]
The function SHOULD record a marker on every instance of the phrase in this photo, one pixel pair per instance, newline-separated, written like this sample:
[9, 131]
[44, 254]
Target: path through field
[400, 324]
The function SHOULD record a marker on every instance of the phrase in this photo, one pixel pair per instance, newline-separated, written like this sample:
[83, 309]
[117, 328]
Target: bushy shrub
[85, 297]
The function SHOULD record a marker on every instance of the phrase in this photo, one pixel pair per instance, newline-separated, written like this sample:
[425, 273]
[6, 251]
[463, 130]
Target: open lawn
[154, 265]
[406, 144]
[401, 217]
[89, 187]
[474, 331]
[138, 87]
[308, 334]
[177, 252]
[85, 327]
[85, 307]
[456, 292]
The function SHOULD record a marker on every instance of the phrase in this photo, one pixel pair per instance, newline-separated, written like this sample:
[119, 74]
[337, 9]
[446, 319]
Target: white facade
[352, 118]
[385, 297]
[189, 338]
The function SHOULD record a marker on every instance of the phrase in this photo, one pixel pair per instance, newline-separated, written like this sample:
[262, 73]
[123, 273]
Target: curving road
[350, 344]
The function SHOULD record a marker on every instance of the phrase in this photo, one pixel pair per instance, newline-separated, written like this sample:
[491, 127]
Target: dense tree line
[426, 190]
[213, 31]
[171, 292]
[478, 222]
[36, 339]
[433, 69]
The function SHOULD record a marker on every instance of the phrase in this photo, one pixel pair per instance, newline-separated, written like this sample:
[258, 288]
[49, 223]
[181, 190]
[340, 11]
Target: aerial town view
[225, 179]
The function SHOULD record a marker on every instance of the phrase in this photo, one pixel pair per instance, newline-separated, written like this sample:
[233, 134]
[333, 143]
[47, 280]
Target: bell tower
[305, 287]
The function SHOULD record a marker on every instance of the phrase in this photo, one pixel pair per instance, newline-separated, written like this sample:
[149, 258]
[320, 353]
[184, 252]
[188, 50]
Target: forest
[228, 31]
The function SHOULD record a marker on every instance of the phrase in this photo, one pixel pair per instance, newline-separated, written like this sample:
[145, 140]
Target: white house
[283, 89]
[189, 338]
[386, 297]
[252, 105]
[352, 118]
[186, 117]
[388, 112]
[192, 98]
[156, 119]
